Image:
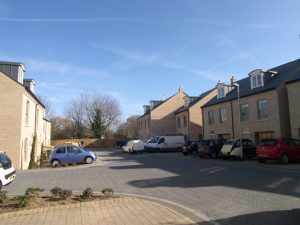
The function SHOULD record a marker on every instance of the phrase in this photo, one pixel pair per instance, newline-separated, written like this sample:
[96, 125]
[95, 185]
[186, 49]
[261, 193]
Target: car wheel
[88, 160]
[56, 163]
[284, 159]
[262, 160]
[213, 155]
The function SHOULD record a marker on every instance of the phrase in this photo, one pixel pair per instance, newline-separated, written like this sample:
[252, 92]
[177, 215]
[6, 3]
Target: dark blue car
[71, 154]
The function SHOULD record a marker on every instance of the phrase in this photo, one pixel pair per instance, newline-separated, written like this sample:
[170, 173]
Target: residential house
[159, 117]
[189, 117]
[262, 110]
[293, 89]
[21, 117]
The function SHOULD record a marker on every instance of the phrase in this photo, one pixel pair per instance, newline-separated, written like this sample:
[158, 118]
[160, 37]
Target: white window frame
[221, 92]
[223, 115]
[27, 112]
[257, 80]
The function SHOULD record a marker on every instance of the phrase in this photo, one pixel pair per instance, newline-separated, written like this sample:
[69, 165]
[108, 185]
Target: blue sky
[140, 50]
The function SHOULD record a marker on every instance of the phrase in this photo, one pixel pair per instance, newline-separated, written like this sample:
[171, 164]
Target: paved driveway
[228, 192]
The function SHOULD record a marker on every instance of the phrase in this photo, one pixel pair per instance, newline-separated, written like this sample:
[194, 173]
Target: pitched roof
[26, 89]
[201, 96]
[148, 112]
[286, 72]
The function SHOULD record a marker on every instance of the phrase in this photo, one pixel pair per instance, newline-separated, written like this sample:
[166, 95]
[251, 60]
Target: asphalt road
[228, 192]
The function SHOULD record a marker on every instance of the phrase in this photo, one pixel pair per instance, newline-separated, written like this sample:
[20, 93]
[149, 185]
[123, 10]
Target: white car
[7, 170]
[164, 143]
[134, 146]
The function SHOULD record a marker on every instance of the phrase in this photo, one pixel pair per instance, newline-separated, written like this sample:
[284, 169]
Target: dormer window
[221, 92]
[256, 79]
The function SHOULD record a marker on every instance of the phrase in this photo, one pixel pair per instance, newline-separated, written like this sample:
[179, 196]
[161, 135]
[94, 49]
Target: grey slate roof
[184, 108]
[286, 73]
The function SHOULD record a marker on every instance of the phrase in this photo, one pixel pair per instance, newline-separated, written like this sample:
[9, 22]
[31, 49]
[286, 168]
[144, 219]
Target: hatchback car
[231, 148]
[190, 148]
[134, 146]
[282, 149]
[210, 147]
[71, 154]
[7, 170]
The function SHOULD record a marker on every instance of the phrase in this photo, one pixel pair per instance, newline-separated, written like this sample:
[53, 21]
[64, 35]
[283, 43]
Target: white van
[159, 143]
[7, 170]
[134, 146]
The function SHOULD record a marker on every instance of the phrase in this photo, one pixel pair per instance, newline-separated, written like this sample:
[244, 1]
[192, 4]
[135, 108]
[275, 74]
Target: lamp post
[239, 112]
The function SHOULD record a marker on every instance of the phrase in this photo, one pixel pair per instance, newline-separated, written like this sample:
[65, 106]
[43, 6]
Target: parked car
[165, 143]
[71, 154]
[190, 148]
[231, 148]
[134, 146]
[210, 147]
[282, 149]
[7, 170]
[120, 143]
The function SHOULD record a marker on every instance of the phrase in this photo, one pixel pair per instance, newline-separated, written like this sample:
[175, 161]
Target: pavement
[117, 211]
[223, 192]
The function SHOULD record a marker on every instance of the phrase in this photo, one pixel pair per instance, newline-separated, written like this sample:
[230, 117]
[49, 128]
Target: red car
[282, 149]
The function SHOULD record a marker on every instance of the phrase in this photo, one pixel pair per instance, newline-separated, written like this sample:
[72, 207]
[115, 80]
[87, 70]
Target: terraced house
[189, 117]
[22, 122]
[263, 110]
[293, 88]
[159, 116]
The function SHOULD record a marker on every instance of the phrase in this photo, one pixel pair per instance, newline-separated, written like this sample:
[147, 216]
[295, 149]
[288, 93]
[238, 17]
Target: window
[145, 124]
[262, 106]
[60, 150]
[73, 149]
[296, 142]
[257, 80]
[178, 122]
[210, 117]
[223, 116]
[162, 140]
[184, 121]
[149, 123]
[221, 92]
[27, 112]
[244, 108]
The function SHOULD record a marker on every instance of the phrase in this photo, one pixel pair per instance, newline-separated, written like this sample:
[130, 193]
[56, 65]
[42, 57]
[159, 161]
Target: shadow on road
[190, 173]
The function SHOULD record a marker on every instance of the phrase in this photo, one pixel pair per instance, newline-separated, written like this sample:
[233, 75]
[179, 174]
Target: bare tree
[132, 127]
[75, 110]
[61, 128]
[47, 103]
[121, 131]
[102, 113]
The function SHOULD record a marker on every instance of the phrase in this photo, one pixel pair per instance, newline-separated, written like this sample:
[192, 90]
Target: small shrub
[33, 192]
[107, 192]
[56, 191]
[3, 196]
[87, 193]
[23, 201]
[61, 193]
[65, 194]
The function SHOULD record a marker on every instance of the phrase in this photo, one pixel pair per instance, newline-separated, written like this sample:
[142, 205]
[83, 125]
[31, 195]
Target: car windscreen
[230, 142]
[153, 140]
[268, 142]
[203, 143]
[187, 143]
[4, 159]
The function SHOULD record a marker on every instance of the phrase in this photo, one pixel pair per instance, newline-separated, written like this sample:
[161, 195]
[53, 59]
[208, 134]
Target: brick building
[21, 116]
[264, 109]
